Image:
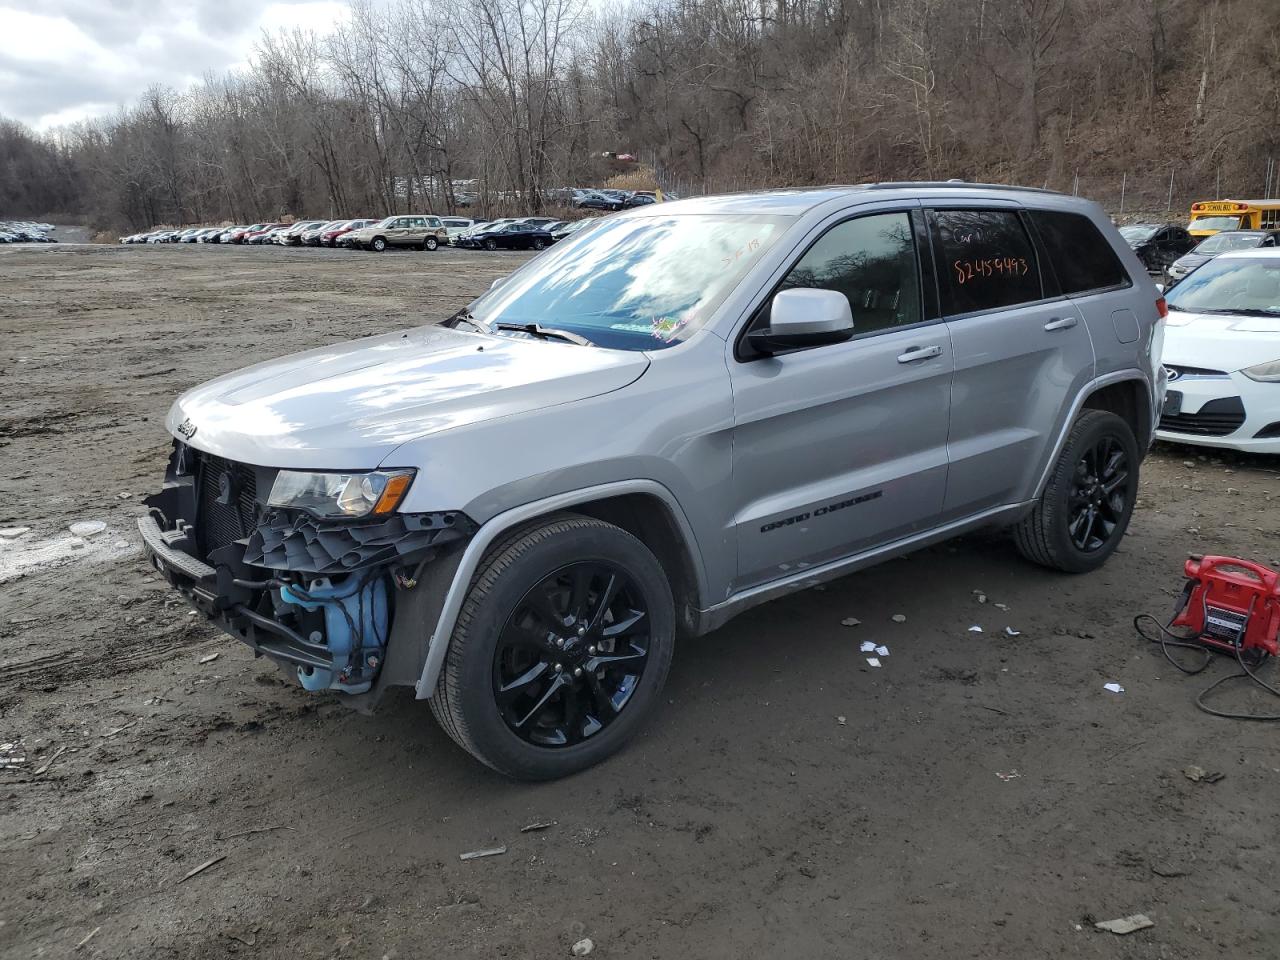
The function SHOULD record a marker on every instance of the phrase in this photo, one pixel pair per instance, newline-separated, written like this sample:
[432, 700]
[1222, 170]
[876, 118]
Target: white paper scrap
[1113, 687]
[872, 662]
[868, 646]
[1009, 631]
[882, 651]
[975, 629]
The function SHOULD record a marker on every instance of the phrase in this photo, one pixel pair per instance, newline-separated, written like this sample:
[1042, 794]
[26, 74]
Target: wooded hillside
[523, 96]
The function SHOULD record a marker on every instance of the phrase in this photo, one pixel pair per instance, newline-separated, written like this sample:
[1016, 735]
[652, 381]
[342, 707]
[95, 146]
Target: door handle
[1061, 323]
[920, 353]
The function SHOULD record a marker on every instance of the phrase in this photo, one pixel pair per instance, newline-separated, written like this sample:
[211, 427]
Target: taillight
[1162, 308]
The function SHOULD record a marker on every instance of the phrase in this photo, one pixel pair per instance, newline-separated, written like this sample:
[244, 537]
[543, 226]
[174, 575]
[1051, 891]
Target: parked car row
[25, 231]
[1171, 251]
[612, 199]
[410, 231]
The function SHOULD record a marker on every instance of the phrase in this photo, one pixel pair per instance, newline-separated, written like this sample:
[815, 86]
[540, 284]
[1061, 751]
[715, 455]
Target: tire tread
[1033, 534]
[446, 703]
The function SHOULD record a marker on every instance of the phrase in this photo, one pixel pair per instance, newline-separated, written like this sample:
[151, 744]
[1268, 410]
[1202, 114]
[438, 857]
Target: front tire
[1088, 501]
[430, 243]
[560, 651]
[379, 244]
[491, 244]
[539, 244]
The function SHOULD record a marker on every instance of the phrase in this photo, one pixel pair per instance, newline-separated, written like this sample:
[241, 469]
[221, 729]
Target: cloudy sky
[65, 60]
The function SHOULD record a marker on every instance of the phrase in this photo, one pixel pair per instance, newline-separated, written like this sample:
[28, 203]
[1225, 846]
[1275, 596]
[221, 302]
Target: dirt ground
[980, 795]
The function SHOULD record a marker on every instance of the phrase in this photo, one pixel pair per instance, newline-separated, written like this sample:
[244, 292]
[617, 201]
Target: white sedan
[1222, 354]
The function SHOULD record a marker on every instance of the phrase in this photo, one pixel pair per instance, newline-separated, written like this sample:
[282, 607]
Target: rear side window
[987, 260]
[1081, 256]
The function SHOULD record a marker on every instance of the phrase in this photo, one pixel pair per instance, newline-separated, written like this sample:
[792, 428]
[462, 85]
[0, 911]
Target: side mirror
[801, 318]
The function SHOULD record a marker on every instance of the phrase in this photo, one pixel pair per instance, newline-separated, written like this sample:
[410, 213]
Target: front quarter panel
[672, 426]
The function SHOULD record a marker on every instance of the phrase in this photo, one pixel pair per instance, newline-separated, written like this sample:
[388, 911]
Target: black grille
[1216, 418]
[226, 502]
[1269, 432]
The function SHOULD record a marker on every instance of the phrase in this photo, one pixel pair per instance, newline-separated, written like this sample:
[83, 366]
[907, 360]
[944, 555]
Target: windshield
[640, 283]
[1222, 242]
[1215, 223]
[1229, 285]
[1138, 232]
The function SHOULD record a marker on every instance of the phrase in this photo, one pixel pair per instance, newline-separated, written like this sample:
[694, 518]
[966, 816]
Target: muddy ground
[979, 795]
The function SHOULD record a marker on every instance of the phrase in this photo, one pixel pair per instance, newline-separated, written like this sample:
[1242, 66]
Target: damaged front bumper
[319, 597]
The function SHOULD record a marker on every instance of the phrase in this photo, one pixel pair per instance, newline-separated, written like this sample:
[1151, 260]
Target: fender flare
[442, 633]
[1118, 376]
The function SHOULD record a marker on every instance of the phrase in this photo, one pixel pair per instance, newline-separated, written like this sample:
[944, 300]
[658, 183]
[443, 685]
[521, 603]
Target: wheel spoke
[1088, 530]
[610, 659]
[1077, 522]
[620, 628]
[600, 697]
[508, 692]
[1117, 480]
[544, 608]
[552, 687]
[603, 602]
[573, 714]
[1109, 512]
[1115, 461]
[580, 581]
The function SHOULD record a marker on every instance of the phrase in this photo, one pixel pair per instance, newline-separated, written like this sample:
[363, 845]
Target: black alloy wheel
[491, 244]
[539, 244]
[571, 655]
[560, 650]
[1088, 498]
[1099, 495]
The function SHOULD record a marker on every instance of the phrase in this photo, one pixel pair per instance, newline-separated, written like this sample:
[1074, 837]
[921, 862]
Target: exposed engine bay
[315, 594]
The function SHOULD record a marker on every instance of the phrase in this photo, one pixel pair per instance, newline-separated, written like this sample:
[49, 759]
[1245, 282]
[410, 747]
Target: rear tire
[1088, 502]
[563, 593]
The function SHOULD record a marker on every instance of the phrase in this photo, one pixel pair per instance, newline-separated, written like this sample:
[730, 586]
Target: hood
[1194, 259]
[349, 405]
[1220, 342]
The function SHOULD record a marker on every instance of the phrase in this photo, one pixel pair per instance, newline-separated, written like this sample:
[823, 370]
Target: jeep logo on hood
[187, 429]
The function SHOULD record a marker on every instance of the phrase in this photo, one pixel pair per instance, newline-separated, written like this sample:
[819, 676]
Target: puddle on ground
[29, 553]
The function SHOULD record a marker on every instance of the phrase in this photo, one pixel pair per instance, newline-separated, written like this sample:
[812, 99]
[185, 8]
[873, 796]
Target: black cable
[1168, 639]
[1262, 717]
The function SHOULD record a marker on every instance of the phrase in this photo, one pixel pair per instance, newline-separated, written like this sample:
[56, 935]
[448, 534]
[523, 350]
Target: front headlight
[341, 495]
[1264, 372]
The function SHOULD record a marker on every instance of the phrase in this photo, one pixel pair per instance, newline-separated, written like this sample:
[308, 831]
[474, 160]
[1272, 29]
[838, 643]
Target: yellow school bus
[1211, 216]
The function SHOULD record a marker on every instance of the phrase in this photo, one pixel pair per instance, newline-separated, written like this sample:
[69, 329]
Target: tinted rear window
[1081, 256]
[988, 261]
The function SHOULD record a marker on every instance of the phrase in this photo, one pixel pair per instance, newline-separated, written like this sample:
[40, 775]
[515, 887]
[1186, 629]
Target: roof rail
[954, 185]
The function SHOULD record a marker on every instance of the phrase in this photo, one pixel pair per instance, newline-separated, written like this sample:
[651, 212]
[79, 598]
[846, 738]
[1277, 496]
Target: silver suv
[418, 232]
[653, 426]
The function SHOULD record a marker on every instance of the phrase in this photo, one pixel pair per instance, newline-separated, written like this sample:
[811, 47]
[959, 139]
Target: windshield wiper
[1254, 312]
[546, 333]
